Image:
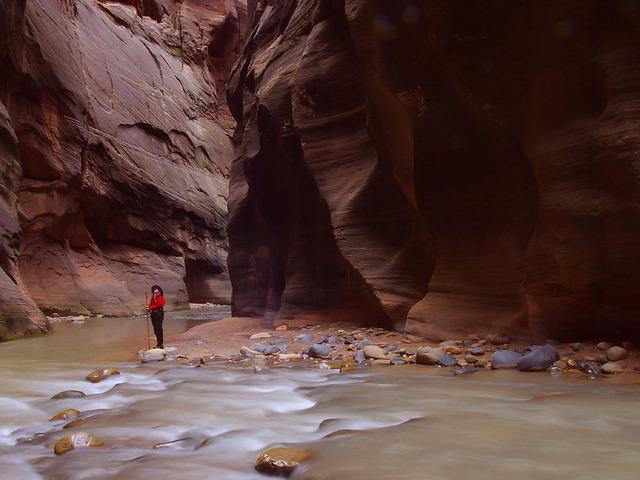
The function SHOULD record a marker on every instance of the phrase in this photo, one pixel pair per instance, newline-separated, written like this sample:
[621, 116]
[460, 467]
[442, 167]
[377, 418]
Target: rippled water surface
[377, 423]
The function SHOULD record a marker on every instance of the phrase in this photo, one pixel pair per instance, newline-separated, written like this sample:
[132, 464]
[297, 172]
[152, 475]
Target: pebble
[249, 352]
[458, 371]
[281, 461]
[503, 359]
[375, 352]
[470, 359]
[613, 368]
[68, 394]
[477, 351]
[434, 356]
[319, 350]
[616, 353]
[359, 356]
[66, 414]
[153, 355]
[281, 328]
[398, 361]
[76, 440]
[473, 336]
[539, 359]
[450, 343]
[576, 346]
[414, 338]
[452, 349]
[307, 338]
[602, 346]
[100, 374]
[257, 336]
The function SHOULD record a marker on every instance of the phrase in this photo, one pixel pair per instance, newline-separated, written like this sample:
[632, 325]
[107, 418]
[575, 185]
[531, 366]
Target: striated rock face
[115, 153]
[439, 166]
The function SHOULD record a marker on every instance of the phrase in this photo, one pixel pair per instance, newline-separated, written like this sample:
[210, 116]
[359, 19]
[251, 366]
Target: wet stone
[66, 414]
[539, 359]
[281, 461]
[100, 374]
[435, 356]
[68, 394]
[477, 351]
[359, 356]
[613, 368]
[503, 359]
[398, 361]
[153, 355]
[76, 440]
[319, 350]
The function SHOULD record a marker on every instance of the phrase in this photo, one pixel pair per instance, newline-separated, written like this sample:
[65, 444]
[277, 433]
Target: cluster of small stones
[375, 346]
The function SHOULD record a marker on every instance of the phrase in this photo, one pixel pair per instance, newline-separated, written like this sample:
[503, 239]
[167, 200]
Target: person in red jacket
[156, 310]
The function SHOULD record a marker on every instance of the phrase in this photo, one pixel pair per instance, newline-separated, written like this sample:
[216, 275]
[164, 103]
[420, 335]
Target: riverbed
[174, 421]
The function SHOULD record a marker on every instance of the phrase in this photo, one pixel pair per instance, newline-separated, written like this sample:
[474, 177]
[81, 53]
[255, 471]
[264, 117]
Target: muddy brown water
[381, 423]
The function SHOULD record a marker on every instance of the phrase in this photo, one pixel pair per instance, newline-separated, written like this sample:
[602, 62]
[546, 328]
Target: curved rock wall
[441, 167]
[116, 150]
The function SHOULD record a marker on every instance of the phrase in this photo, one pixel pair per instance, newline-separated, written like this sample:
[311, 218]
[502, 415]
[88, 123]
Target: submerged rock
[76, 440]
[68, 394]
[100, 374]
[281, 461]
[435, 356]
[503, 359]
[65, 414]
[539, 359]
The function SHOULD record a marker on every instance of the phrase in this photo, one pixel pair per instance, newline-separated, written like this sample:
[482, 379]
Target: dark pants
[157, 316]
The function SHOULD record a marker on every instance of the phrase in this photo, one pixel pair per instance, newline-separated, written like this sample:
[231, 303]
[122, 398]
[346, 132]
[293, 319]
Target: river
[383, 423]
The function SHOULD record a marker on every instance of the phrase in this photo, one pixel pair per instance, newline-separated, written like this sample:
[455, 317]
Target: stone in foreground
[375, 352]
[281, 461]
[153, 355]
[100, 374]
[435, 356]
[76, 440]
[538, 359]
[68, 394]
[503, 359]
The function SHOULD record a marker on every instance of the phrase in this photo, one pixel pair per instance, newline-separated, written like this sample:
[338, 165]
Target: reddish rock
[388, 148]
[116, 142]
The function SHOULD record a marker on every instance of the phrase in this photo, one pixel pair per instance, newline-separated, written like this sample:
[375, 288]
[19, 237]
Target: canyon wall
[115, 151]
[439, 167]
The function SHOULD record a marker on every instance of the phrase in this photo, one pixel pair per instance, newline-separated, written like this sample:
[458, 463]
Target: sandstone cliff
[439, 166]
[115, 153]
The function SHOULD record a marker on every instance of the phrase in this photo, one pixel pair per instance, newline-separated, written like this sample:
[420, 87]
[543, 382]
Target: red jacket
[156, 303]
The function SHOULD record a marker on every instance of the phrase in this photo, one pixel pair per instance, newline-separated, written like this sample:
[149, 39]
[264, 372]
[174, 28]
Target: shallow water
[377, 423]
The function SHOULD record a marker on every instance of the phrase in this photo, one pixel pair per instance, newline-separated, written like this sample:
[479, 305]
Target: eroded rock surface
[115, 154]
[485, 151]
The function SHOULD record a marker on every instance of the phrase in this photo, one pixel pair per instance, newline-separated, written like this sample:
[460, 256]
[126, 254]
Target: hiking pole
[146, 309]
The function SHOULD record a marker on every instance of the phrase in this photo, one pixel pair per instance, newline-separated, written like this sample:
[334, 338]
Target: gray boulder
[538, 359]
[503, 359]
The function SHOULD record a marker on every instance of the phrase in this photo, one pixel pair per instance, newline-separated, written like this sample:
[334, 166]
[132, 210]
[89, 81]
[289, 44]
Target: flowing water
[381, 423]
